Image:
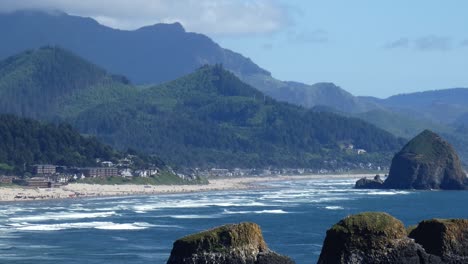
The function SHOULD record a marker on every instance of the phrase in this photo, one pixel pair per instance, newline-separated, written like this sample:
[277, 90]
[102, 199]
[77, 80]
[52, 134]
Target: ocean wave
[193, 216]
[133, 226]
[278, 211]
[83, 225]
[386, 192]
[195, 204]
[61, 216]
[334, 207]
[330, 199]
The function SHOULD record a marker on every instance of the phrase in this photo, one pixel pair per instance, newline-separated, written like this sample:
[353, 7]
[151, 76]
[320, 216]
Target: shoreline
[82, 190]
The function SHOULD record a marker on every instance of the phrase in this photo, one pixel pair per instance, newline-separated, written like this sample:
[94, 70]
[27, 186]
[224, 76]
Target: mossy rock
[229, 244]
[446, 238]
[225, 238]
[360, 236]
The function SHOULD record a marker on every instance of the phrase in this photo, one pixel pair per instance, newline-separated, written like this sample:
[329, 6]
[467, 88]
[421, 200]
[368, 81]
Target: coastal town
[50, 175]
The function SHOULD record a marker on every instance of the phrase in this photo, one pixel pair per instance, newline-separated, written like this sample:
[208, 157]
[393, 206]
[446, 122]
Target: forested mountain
[151, 54]
[26, 142]
[207, 118]
[156, 54]
[212, 118]
[164, 52]
[44, 82]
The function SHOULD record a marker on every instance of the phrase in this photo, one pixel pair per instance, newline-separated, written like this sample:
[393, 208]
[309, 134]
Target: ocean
[294, 217]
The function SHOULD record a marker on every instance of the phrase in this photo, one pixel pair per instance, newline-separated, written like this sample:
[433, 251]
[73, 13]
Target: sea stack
[446, 238]
[380, 238]
[369, 238]
[229, 244]
[425, 162]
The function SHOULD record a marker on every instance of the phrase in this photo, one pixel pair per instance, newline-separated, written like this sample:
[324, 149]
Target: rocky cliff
[380, 238]
[425, 162]
[446, 238]
[369, 238]
[230, 244]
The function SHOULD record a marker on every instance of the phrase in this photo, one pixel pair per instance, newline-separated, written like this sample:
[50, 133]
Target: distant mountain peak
[174, 27]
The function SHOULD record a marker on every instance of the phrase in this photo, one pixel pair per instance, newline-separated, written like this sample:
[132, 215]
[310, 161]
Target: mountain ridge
[209, 117]
[145, 59]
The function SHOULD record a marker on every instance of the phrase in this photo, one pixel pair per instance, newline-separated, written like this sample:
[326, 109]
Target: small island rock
[229, 244]
[425, 162]
[364, 183]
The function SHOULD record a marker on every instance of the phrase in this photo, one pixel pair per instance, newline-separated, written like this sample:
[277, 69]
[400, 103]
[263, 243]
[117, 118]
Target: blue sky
[368, 47]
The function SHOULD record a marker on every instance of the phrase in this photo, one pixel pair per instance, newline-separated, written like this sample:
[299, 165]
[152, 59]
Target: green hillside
[26, 142]
[50, 81]
[211, 118]
[156, 54]
[208, 118]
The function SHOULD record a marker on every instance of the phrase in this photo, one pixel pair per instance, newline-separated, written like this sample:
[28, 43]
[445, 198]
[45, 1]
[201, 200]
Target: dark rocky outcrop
[364, 183]
[371, 238]
[230, 244]
[426, 162]
[380, 238]
[446, 238]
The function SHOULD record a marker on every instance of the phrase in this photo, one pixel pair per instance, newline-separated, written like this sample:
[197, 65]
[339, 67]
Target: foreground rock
[381, 238]
[370, 238]
[447, 239]
[426, 162]
[230, 244]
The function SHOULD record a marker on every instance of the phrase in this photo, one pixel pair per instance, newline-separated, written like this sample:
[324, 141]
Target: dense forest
[207, 118]
[211, 118]
[42, 83]
[26, 142]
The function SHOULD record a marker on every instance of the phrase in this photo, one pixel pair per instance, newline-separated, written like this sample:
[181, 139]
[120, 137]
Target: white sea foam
[329, 199]
[387, 192]
[83, 225]
[193, 216]
[334, 207]
[279, 211]
[134, 226]
[61, 216]
[186, 204]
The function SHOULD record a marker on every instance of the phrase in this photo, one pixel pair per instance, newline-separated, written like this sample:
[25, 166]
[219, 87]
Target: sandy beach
[77, 190]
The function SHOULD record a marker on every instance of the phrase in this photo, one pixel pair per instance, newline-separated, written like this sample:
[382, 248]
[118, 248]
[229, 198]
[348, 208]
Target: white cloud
[220, 17]
[433, 42]
[425, 43]
[464, 43]
[399, 43]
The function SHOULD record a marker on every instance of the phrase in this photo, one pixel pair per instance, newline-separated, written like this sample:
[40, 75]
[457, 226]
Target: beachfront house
[100, 172]
[42, 169]
[107, 164]
[126, 173]
[38, 182]
[7, 179]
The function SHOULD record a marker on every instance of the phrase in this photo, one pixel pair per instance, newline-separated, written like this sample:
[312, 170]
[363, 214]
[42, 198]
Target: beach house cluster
[50, 175]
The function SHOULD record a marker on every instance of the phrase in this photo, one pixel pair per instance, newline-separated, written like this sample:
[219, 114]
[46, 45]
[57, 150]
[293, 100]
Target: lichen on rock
[371, 237]
[229, 244]
[446, 238]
